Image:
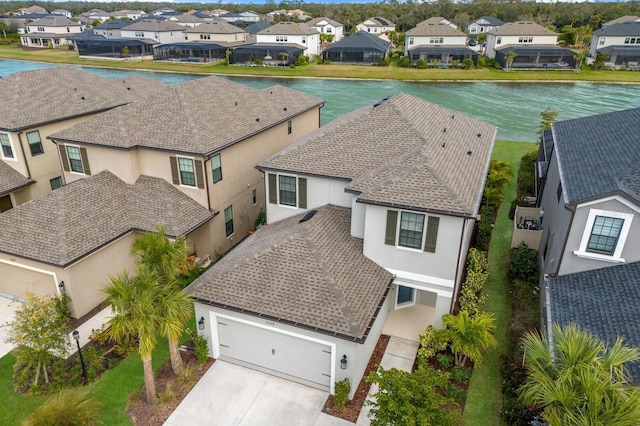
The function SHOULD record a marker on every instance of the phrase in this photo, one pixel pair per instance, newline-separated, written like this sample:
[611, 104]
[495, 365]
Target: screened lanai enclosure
[89, 44]
[268, 55]
[358, 48]
[443, 54]
[189, 52]
[626, 56]
[541, 56]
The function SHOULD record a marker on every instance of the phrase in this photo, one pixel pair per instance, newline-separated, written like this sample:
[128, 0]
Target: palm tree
[175, 308]
[510, 57]
[580, 57]
[579, 381]
[470, 336]
[134, 304]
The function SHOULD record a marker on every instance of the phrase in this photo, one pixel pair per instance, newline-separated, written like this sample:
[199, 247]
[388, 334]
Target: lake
[513, 107]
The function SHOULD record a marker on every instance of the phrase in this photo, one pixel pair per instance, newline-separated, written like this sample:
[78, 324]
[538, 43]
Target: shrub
[444, 361]
[526, 174]
[341, 396]
[421, 64]
[432, 341]
[257, 61]
[404, 62]
[70, 407]
[457, 394]
[301, 60]
[482, 61]
[518, 202]
[436, 63]
[477, 260]
[201, 346]
[261, 219]
[455, 63]
[467, 64]
[461, 375]
[483, 234]
[70, 46]
[524, 264]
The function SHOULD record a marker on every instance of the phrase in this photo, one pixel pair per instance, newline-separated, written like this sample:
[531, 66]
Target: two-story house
[620, 42]
[378, 26]
[27, 117]
[433, 40]
[291, 33]
[534, 45]
[151, 29]
[50, 31]
[483, 24]
[218, 30]
[327, 26]
[589, 189]
[369, 222]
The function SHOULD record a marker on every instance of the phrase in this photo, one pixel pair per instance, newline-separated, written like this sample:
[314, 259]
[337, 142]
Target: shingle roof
[288, 28]
[11, 179]
[153, 25]
[188, 18]
[71, 222]
[599, 155]
[404, 151]
[313, 274]
[329, 21]
[256, 27]
[431, 29]
[626, 18]
[379, 22]
[115, 24]
[492, 20]
[29, 95]
[361, 40]
[198, 117]
[54, 21]
[217, 26]
[521, 28]
[622, 29]
[604, 301]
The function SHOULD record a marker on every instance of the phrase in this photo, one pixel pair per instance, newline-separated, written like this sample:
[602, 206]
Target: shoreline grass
[485, 389]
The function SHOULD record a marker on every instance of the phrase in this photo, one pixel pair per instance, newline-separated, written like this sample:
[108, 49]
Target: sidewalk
[85, 329]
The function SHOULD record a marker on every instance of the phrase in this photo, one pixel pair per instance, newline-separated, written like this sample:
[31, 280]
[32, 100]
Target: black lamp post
[76, 337]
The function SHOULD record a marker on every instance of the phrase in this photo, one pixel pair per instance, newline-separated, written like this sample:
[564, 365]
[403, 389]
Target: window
[7, 149]
[68, 30]
[205, 36]
[375, 55]
[35, 144]
[289, 127]
[411, 225]
[139, 34]
[473, 29]
[559, 191]
[525, 40]
[282, 39]
[604, 235]
[406, 296]
[601, 41]
[436, 40]
[413, 233]
[55, 183]
[228, 220]
[287, 190]
[329, 30]
[411, 40]
[75, 160]
[254, 195]
[287, 186]
[187, 172]
[41, 29]
[498, 40]
[216, 168]
[304, 40]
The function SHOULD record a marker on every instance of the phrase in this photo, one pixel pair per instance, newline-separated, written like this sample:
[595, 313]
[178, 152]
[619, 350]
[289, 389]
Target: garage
[298, 358]
[16, 281]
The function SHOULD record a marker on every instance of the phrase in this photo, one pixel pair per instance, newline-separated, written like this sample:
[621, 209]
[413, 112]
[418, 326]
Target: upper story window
[41, 29]
[216, 168]
[68, 30]
[604, 235]
[328, 30]
[7, 148]
[228, 220]
[601, 40]
[632, 40]
[35, 144]
[289, 127]
[74, 159]
[415, 232]
[186, 171]
[304, 40]
[205, 36]
[139, 34]
[473, 29]
[288, 190]
[411, 40]
[281, 38]
[498, 40]
[525, 40]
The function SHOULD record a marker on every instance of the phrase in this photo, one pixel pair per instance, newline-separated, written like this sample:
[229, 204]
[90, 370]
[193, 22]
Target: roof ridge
[63, 252]
[187, 110]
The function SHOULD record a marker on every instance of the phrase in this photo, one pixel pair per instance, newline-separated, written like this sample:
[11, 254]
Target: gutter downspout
[206, 184]
[456, 287]
[566, 238]
[547, 306]
[24, 155]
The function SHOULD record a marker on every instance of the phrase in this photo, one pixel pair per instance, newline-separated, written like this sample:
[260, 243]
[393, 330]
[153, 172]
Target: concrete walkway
[85, 329]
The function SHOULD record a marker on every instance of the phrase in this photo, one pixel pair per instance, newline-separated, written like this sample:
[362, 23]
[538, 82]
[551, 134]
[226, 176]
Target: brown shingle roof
[54, 21]
[153, 25]
[312, 274]
[11, 179]
[199, 117]
[329, 21]
[218, 26]
[521, 28]
[437, 29]
[398, 152]
[35, 97]
[71, 222]
[288, 28]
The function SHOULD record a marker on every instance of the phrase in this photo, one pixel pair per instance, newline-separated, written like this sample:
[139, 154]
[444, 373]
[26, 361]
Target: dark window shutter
[85, 161]
[63, 157]
[432, 234]
[273, 189]
[199, 177]
[302, 193]
[392, 223]
[174, 170]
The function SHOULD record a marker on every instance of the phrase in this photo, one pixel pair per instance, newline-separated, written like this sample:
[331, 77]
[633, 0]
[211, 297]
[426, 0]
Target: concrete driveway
[8, 309]
[231, 395]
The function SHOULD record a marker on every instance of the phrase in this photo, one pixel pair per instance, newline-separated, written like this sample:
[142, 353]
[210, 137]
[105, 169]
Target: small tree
[40, 329]
[580, 57]
[482, 37]
[509, 58]
[470, 336]
[284, 56]
[548, 117]
[600, 59]
[467, 64]
[125, 51]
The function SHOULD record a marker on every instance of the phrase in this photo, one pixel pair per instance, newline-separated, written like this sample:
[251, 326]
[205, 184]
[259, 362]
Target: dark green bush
[404, 62]
[482, 61]
[461, 375]
[524, 264]
[421, 64]
[483, 234]
[444, 361]
[526, 174]
[457, 394]
[341, 396]
[467, 64]
[201, 346]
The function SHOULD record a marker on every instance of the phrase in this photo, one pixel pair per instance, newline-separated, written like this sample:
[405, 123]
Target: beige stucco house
[50, 31]
[218, 30]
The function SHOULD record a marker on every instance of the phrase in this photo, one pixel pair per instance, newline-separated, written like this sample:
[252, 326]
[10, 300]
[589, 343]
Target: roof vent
[444, 130]
[479, 134]
[128, 88]
[236, 103]
[469, 153]
[382, 101]
[308, 216]
[453, 116]
[443, 144]
[82, 97]
[285, 108]
[257, 119]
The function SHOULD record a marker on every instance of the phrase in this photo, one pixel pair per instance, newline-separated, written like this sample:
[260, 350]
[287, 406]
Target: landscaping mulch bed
[352, 410]
[170, 389]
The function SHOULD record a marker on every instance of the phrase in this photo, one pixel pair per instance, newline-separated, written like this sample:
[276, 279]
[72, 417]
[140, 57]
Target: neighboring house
[50, 31]
[249, 16]
[29, 118]
[98, 15]
[186, 20]
[291, 33]
[329, 27]
[218, 12]
[256, 28]
[590, 257]
[12, 186]
[62, 12]
[620, 43]
[299, 14]
[620, 20]
[360, 48]
[232, 17]
[32, 10]
[78, 236]
[437, 41]
[484, 24]
[377, 26]
[164, 11]
[370, 218]
[534, 45]
[90, 44]
[151, 29]
[203, 137]
[218, 30]
[110, 29]
[436, 20]
[130, 14]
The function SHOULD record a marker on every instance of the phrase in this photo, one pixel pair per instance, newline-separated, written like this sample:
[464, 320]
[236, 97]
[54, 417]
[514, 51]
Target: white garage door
[16, 281]
[289, 355]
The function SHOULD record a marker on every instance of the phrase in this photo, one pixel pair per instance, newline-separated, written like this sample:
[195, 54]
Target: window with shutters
[75, 160]
[604, 235]
[287, 190]
[187, 171]
[7, 148]
[412, 230]
[216, 168]
[35, 144]
[228, 220]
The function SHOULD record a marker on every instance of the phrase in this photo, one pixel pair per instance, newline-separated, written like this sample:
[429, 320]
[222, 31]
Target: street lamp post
[76, 337]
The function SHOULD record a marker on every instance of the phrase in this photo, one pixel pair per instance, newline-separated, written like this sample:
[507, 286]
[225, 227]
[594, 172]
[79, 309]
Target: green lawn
[63, 56]
[485, 394]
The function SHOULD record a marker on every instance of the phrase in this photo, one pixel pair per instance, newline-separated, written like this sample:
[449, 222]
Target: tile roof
[521, 28]
[599, 155]
[361, 40]
[312, 274]
[621, 29]
[29, 95]
[403, 151]
[288, 28]
[153, 25]
[11, 179]
[54, 21]
[198, 117]
[63, 226]
[315, 21]
[604, 301]
[217, 26]
[438, 29]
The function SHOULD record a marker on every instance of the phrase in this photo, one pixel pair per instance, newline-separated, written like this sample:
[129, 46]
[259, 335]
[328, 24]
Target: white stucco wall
[511, 40]
[310, 41]
[414, 41]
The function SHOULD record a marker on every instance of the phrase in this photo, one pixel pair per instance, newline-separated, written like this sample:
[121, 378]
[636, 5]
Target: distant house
[111, 28]
[249, 16]
[484, 24]
[438, 20]
[299, 14]
[256, 28]
[186, 20]
[90, 44]
[150, 29]
[361, 47]
[218, 12]
[129, 14]
[437, 42]
[218, 30]
[377, 26]
[50, 31]
[589, 253]
[534, 45]
[62, 12]
[98, 14]
[32, 10]
[328, 26]
[291, 33]
[620, 42]
[622, 19]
